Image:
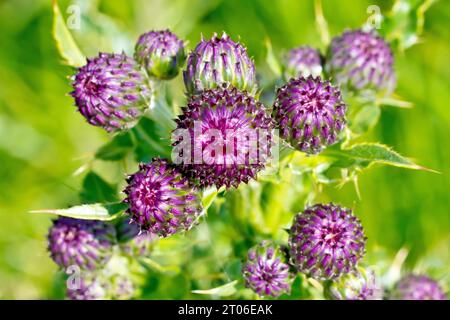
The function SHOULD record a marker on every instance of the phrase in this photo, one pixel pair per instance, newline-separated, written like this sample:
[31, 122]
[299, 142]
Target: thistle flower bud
[132, 241]
[310, 113]
[111, 91]
[161, 200]
[161, 53]
[417, 287]
[360, 284]
[85, 243]
[228, 137]
[218, 61]
[303, 61]
[326, 241]
[101, 286]
[266, 271]
[361, 61]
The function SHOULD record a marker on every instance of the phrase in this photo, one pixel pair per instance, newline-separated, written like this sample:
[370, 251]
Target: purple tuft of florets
[266, 270]
[360, 284]
[161, 53]
[160, 199]
[303, 61]
[361, 60]
[418, 287]
[228, 137]
[217, 61]
[310, 113]
[326, 241]
[83, 243]
[111, 91]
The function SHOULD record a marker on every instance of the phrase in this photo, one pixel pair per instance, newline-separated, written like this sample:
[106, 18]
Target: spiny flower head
[326, 241]
[161, 53]
[132, 240]
[310, 113]
[224, 136]
[360, 284]
[303, 61]
[160, 199]
[84, 243]
[217, 61]
[361, 60]
[111, 91]
[418, 287]
[266, 270]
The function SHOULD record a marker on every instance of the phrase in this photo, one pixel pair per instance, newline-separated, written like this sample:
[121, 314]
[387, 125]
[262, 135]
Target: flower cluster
[217, 61]
[266, 270]
[161, 200]
[310, 113]
[361, 61]
[326, 241]
[223, 152]
[111, 91]
[417, 287]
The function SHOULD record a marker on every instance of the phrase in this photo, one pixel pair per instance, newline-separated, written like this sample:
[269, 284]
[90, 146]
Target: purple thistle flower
[101, 286]
[361, 60]
[417, 287]
[218, 61]
[360, 284]
[132, 240]
[111, 91]
[303, 61]
[85, 243]
[266, 271]
[310, 113]
[161, 53]
[223, 125]
[161, 200]
[326, 241]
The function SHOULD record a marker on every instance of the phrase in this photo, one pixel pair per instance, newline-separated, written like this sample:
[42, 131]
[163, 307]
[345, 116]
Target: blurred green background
[43, 140]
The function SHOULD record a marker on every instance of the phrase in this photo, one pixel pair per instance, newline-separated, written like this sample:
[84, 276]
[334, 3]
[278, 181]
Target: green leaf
[366, 154]
[321, 23]
[365, 119]
[117, 148]
[208, 197]
[225, 290]
[271, 60]
[151, 140]
[95, 211]
[66, 45]
[95, 190]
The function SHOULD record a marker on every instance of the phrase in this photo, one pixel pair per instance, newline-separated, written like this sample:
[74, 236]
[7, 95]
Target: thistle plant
[361, 61]
[212, 159]
[161, 200]
[417, 287]
[302, 61]
[217, 61]
[266, 270]
[310, 113]
[84, 243]
[161, 53]
[222, 138]
[111, 91]
[326, 241]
